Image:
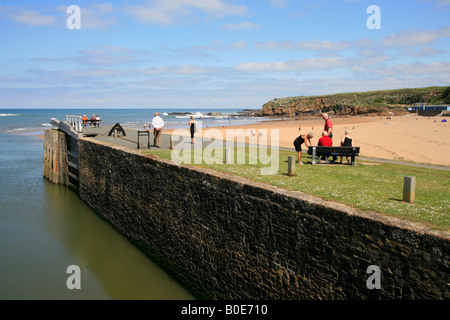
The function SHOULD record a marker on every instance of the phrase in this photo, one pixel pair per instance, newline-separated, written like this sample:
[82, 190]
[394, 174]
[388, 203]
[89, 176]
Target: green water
[45, 228]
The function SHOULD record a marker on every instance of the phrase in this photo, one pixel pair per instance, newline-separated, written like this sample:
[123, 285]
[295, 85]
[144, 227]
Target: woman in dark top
[346, 141]
[304, 138]
[192, 124]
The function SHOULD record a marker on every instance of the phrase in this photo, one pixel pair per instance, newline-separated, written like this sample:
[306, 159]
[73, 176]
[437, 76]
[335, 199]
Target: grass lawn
[367, 186]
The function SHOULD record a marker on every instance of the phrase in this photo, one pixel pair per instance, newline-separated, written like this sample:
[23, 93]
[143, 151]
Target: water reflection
[44, 228]
[101, 252]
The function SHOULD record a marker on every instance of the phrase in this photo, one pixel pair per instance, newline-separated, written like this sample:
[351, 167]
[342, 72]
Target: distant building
[423, 107]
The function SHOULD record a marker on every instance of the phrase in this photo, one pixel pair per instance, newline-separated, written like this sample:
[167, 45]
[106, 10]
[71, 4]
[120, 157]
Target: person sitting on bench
[93, 119]
[85, 120]
[346, 141]
[325, 141]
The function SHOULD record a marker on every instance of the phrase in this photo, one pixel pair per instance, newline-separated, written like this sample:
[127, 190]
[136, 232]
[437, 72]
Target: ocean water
[31, 121]
[45, 228]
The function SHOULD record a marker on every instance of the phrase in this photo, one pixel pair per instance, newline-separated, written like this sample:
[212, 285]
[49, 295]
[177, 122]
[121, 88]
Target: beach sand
[404, 138]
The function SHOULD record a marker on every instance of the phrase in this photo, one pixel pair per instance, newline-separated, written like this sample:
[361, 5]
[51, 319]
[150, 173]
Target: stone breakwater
[225, 237]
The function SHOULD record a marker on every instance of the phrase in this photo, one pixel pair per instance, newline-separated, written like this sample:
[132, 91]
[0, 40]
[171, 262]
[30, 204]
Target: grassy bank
[367, 186]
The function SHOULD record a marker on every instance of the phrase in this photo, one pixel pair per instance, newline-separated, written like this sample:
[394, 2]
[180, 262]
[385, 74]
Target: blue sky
[215, 53]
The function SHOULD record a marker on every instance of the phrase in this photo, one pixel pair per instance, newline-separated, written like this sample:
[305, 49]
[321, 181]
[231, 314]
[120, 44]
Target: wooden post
[313, 155]
[138, 139]
[170, 143]
[228, 155]
[409, 189]
[291, 166]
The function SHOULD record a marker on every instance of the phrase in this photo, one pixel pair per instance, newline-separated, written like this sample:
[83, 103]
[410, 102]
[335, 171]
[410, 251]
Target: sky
[208, 54]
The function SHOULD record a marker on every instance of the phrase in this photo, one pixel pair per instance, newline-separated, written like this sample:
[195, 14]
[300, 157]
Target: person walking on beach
[158, 124]
[192, 127]
[303, 138]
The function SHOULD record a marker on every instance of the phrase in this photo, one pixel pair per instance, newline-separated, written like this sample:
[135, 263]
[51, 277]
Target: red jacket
[325, 141]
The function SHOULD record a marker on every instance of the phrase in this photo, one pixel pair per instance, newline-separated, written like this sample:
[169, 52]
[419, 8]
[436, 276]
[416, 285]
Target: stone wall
[225, 237]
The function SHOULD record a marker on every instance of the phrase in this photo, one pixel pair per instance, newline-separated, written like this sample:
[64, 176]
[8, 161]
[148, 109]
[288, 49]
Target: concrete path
[421, 165]
[128, 140]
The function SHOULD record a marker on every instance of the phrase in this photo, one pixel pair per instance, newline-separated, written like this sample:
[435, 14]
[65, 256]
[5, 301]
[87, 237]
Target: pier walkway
[129, 140]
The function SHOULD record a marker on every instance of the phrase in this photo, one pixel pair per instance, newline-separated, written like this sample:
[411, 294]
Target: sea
[47, 232]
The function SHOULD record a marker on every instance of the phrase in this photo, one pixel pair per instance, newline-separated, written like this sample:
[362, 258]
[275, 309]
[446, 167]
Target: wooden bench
[333, 151]
[93, 123]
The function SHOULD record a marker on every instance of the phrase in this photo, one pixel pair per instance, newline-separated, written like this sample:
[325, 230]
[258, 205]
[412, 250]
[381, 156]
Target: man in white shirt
[158, 124]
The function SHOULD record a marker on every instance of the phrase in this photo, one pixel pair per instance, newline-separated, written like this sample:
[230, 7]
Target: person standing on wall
[158, 124]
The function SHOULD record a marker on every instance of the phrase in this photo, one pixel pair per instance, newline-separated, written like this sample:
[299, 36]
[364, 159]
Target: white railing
[75, 122]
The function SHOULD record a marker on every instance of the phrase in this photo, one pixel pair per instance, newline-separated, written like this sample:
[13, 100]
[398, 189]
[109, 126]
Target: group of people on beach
[325, 141]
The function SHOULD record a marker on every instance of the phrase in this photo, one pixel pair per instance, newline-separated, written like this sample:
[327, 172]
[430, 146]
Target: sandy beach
[404, 138]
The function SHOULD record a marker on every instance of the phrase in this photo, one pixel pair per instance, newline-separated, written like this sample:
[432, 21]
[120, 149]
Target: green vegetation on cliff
[382, 102]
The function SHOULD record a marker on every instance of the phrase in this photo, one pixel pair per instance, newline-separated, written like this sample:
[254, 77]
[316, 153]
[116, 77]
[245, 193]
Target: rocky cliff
[384, 102]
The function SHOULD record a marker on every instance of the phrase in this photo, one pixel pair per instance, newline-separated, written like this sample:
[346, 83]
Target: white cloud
[310, 45]
[192, 70]
[421, 69]
[93, 16]
[444, 2]
[166, 12]
[32, 18]
[279, 3]
[241, 45]
[417, 69]
[412, 38]
[423, 52]
[241, 26]
[304, 65]
[103, 57]
[151, 15]
[98, 16]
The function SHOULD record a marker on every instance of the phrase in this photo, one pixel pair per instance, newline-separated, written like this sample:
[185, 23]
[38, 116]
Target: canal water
[45, 228]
